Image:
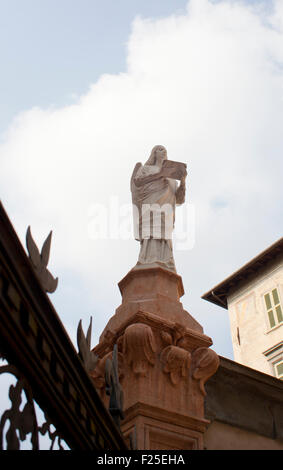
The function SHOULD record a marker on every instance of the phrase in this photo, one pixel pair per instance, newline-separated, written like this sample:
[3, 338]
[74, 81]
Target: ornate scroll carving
[205, 364]
[40, 261]
[176, 337]
[166, 337]
[176, 362]
[175, 358]
[139, 347]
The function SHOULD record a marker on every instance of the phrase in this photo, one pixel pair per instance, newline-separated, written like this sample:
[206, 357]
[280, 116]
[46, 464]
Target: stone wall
[250, 330]
[245, 408]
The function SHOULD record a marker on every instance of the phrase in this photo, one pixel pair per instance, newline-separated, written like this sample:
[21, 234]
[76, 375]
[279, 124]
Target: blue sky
[52, 50]
[87, 89]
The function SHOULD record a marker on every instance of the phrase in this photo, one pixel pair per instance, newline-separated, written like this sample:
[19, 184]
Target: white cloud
[209, 86]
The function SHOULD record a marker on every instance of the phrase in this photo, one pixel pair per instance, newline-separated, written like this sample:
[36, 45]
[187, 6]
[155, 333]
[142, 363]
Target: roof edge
[218, 294]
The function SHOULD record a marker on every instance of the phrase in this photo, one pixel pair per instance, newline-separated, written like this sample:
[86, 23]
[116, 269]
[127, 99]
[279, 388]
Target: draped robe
[154, 215]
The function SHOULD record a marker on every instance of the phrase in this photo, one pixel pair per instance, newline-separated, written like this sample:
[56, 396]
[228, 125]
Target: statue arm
[181, 192]
[137, 167]
[147, 179]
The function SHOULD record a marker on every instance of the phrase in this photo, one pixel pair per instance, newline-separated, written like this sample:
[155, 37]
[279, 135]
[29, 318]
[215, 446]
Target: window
[274, 356]
[273, 308]
[279, 370]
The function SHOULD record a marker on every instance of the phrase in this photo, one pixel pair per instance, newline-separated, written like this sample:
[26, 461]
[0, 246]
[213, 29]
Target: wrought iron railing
[45, 364]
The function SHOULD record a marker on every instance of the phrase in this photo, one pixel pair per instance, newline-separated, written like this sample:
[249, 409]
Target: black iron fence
[46, 368]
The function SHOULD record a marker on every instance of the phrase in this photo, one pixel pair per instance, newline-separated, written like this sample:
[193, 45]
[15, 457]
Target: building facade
[178, 394]
[253, 296]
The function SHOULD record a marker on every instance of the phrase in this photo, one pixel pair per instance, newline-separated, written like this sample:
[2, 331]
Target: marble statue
[155, 193]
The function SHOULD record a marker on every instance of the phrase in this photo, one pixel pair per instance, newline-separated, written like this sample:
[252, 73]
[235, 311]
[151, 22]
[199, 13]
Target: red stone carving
[179, 337]
[205, 364]
[166, 362]
[166, 337]
[176, 362]
[98, 374]
[139, 347]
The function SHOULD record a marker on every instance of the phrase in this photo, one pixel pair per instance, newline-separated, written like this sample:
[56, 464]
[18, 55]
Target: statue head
[158, 154]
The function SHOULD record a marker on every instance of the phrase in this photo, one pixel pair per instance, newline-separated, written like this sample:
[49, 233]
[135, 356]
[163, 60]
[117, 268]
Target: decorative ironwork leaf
[32, 249]
[49, 282]
[40, 262]
[113, 387]
[45, 251]
[88, 335]
[87, 356]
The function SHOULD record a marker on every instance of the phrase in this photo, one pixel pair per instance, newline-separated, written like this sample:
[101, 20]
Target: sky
[89, 87]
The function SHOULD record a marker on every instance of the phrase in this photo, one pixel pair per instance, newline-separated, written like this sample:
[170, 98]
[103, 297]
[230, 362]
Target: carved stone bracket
[176, 362]
[139, 347]
[205, 364]
[179, 362]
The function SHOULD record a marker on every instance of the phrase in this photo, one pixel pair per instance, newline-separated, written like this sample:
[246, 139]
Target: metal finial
[40, 261]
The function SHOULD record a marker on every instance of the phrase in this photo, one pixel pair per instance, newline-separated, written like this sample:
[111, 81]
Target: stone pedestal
[164, 361]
